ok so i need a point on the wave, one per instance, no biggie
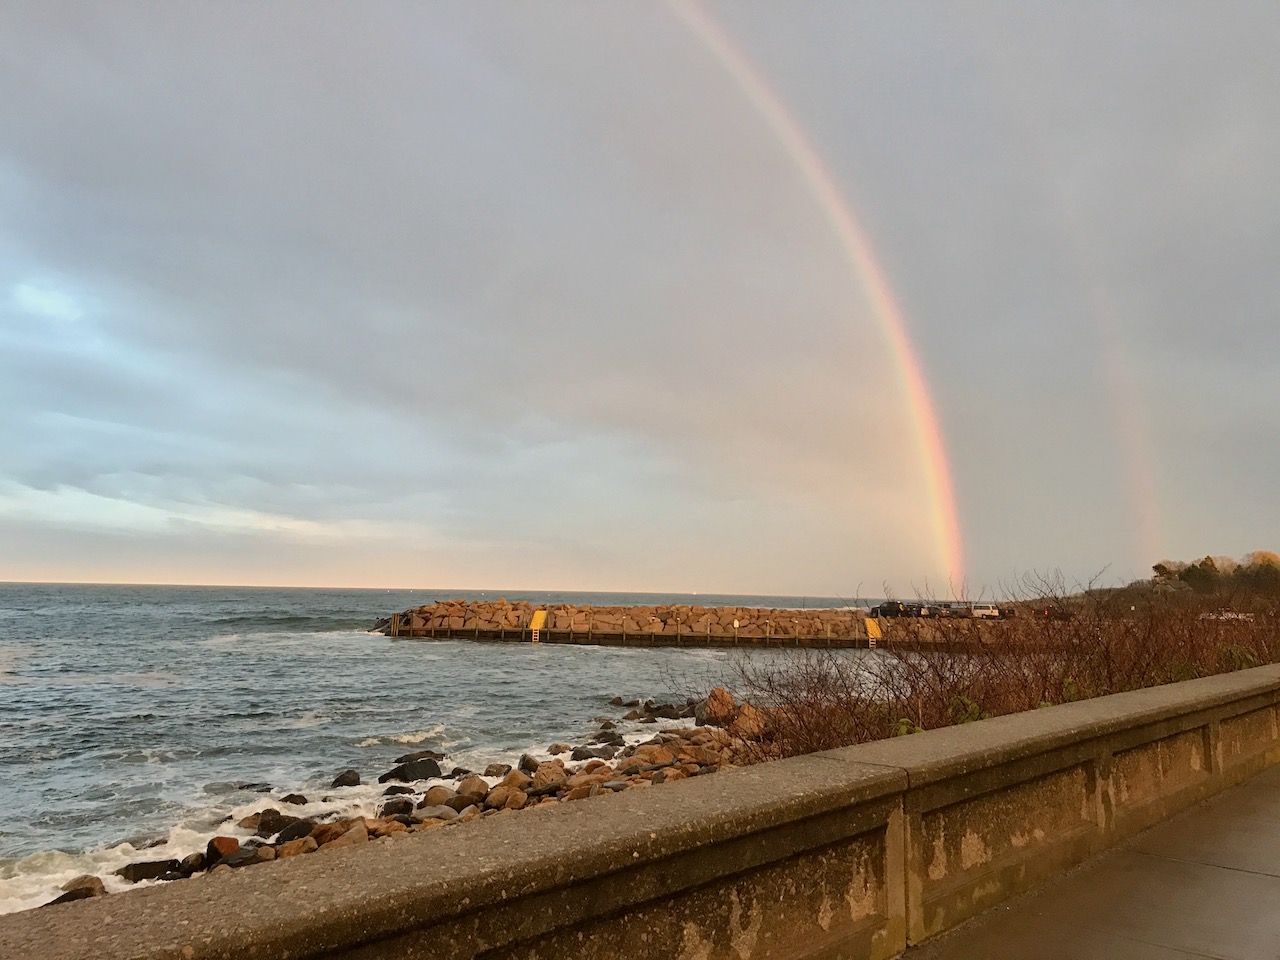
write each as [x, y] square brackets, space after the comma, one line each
[298, 623]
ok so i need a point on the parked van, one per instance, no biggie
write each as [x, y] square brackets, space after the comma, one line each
[985, 610]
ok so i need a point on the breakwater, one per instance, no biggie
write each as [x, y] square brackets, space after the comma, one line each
[657, 625]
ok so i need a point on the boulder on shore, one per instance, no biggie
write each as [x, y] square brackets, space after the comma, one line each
[347, 778]
[425, 769]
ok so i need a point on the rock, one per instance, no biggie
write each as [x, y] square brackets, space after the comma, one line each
[437, 795]
[608, 724]
[147, 870]
[558, 748]
[272, 821]
[593, 753]
[528, 763]
[93, 886]
[325, 832]
[347, 778]
[616, 701]
[413, 770]
[666, 711]
[296, 799]
[750, 723]
[241, 858]
[719, 709]
[460, 801]
[421, 755]
[632, 715]
[615, 785]
[549, 774]
[497, 797]
[437, 812]
[516, 800]
[397, 788]
[518, 779]
[295, 831]
[497, 770]
[72, 895]
[395, 806]
[297, 847]
[653, 754]
[250, 822]
[357, 834]
[220, 847]
[459, 772]
[473, 786]
[191, 863]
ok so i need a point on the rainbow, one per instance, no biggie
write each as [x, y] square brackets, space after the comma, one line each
[853, 240]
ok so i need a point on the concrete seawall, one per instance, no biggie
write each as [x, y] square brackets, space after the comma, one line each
[849, 853]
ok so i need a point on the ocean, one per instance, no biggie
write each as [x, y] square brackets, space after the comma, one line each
[134, 720]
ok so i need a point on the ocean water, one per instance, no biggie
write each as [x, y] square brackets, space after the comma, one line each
[135, 720]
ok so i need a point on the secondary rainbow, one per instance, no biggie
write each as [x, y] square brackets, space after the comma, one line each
[853, 240]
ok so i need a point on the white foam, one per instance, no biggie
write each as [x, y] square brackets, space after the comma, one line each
[419, 735]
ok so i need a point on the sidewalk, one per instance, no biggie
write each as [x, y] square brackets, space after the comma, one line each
[1204, 884]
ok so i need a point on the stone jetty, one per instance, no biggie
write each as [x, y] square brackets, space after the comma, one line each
[674, 625]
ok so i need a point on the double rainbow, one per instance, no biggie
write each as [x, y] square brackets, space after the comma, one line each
[857, 248]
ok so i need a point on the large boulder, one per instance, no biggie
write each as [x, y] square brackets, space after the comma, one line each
[426, 769]
[347, 778]
[719, 709]
[147, 870]
[549, 774]
[421, 755]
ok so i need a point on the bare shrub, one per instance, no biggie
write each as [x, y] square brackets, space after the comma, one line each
[1056, 647]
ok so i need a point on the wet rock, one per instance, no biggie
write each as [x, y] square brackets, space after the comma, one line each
[421, 755]
[296, 830]
[272, 821]
[241, 858]
[665, 711]
[192, 863]
[457, 773]
[69, 896]
[296, 799]
[593, 753]
[413, 770]
[558, 748]
[497, 770]
[347, 778]
[528, 763]
[220, 847]
[607, 725]
[93, 886]
[397, 788]
[616, 701]
[147, 870]
[396, 805]
[632, 715]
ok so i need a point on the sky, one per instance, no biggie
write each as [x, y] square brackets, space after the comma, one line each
[716, 297]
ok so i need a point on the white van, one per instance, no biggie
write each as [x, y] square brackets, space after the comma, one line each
[985, 610]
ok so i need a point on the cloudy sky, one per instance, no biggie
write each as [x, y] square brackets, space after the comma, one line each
[485, 294]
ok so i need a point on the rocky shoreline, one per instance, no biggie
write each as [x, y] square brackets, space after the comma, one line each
[421, 796]
[503, 619]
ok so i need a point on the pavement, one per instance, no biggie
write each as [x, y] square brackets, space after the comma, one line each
[1205, 883]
